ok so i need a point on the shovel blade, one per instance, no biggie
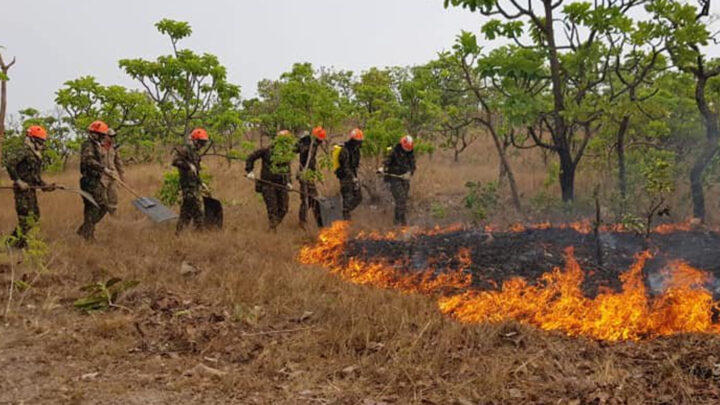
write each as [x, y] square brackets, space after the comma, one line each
[330, 209]
[154, 210]
[213, 213]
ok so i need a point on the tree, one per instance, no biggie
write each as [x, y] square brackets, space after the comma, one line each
[184, 85]
[4, 78]
[568, 37]
[131, 113]
[298, 101]
[686, 36]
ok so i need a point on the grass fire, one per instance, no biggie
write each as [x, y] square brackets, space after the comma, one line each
[555, 300]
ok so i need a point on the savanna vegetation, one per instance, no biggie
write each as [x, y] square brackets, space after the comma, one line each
[548, 111]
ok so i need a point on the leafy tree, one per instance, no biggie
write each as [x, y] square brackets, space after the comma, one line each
[298, 101]
[184, 85]
[686, 37]
[568, 39]
[131, 113]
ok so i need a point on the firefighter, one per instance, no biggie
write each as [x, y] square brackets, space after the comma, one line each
[93, 170]
[112, 161]
[398, 168]
[24, 166]
[347, 172]
[307, 149]
[274, 183]
[187, 160]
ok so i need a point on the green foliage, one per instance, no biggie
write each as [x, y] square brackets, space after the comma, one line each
[481, 199]
[438, 210]
[184, 86]
[282, 153]
[102, 296]
[658, 170]
[36, 251]
[169, 193]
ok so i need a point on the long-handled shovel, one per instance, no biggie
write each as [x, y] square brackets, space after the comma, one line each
[330, 207]
[60, 187]
[149, 206]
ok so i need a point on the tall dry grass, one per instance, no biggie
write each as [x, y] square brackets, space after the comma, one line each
[272, 331]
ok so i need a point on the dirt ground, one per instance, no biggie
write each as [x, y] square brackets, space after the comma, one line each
[249, 325]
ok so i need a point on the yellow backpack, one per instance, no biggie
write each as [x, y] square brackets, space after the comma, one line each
[336, 157]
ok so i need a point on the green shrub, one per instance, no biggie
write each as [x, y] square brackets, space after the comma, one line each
[481, 199]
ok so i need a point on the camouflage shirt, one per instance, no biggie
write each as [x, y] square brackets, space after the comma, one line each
[185, 158]
[25, 164]
[91, 160]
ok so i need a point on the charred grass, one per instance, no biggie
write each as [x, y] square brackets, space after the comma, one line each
[253, 326]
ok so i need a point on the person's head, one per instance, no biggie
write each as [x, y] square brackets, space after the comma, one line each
[407, 143]
[319, 133]
[282, 134]
[199, 138]
[98, 130]
[356, 136]
[37, 135]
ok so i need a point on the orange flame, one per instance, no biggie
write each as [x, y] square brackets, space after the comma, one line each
[556, 302]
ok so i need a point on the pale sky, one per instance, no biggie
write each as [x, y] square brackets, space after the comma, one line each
[59, 40]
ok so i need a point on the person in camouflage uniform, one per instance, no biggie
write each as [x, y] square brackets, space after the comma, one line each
[93, 170]
[187, 160]
[307, 150]
[398, 168]
[273, 184]
[347, 173]
[111, 160]
[24, 166]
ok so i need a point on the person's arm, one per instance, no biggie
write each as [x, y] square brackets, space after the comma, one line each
[12, 163]
[88, 158]
[344, 170]
[180, 160]
[250, 161]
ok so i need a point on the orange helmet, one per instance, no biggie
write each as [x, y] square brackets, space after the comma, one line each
[199, 134]
[407, 142]
[99, 127]
[319, 133]
[357, 134]
[36, 131]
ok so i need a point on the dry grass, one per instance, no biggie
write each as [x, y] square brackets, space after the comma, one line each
[273, 331]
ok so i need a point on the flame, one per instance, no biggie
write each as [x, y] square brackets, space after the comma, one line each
[555, 302]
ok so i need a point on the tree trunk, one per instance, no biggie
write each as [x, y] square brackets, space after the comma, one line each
[712, 135]
[622, 171]
[508, 170]
[3, 100]
[567, 176]
[560, 130]
[456, 158]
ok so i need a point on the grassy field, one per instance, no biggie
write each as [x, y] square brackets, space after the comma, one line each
[254, 326]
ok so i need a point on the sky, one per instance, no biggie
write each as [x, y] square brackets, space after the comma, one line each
[59, 40]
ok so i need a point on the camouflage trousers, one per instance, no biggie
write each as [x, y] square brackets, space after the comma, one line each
[307, 202]
[92, 214]
[191, 210]
[276, 202]
[112, 197]
[351, 196]
[28, 212]
[400, 189]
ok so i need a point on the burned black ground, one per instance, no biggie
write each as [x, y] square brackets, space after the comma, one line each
[499, 256]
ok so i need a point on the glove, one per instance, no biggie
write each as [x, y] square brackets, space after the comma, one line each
[250, 175]
[21, 185]
[204, 190]
[406, 176]
[193, 168]
[356, 180]
[380, 170]
[289, 186]
[49, 187]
